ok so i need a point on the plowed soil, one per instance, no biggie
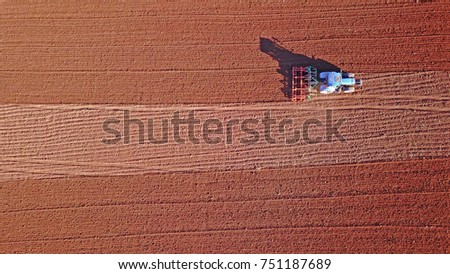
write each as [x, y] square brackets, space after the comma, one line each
[381, 207]
[205, 51]
[67, 67]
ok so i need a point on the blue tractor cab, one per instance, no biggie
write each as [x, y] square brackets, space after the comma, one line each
[332, 81]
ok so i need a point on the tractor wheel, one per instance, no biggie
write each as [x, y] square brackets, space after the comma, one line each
[349, 75]
[349, 89]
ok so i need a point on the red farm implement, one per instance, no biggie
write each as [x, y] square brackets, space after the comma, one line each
[304, 82]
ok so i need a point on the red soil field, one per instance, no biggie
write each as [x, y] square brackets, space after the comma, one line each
[205, 51]
[67, 67]
[379, 207]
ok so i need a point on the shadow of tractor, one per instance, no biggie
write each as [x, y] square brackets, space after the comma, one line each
[287, 59]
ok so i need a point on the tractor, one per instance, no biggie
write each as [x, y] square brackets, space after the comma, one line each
[307, 82]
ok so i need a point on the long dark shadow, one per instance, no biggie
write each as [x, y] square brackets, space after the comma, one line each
[286, 59]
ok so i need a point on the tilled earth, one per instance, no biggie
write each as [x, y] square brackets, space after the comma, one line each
[67, 67]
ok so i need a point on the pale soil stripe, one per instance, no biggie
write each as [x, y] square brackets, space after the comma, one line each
[45, 141]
